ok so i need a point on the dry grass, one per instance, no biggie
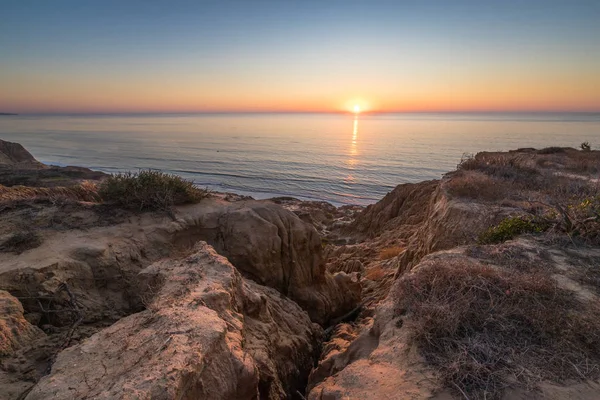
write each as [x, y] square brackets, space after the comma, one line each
[477, 185]
[561, 158]
[586, 162]
[483, 328]
[513, 256]
[86, 191]
[509, 167]
[390, 252]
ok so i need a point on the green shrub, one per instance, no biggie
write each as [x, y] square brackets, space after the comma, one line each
[511, 227]
[149, 190]
[580, 218]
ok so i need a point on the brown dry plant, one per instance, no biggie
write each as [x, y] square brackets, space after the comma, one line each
[484, 329]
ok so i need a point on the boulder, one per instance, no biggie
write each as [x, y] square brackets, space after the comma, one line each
[404, 206]
[207, 333]
[273, 247]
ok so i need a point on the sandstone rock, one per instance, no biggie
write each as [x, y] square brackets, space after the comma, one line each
[14, 153]
[207, 333]
[352, 265]
[265, 242]
[19, 167]
[404, 206]
[15, 330]
[275, 248]
[376, 363]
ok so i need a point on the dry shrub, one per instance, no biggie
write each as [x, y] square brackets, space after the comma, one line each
[552, 150]
[576, 161]
[20, 241]
[585, 146]
[482, 328]
[477, 185]
[86, 191]
[584, 162]
[580, 218]
[506, 167]
[149, 190]
[390, 252]
[512, 256]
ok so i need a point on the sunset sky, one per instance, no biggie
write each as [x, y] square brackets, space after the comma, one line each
[258, 55]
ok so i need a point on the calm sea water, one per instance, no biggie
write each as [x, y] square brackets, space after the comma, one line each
[337, 158]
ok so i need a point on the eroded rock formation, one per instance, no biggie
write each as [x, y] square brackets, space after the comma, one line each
[207, 333]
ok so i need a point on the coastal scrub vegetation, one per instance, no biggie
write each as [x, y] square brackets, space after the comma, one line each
[143, 190]
[485, 328]
[577, 218]
[511, 227]
[149, 190]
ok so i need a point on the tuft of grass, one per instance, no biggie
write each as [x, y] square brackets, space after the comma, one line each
[482, 328]
[20, 241]
[149, 190]
[86, 191]
[511, 227]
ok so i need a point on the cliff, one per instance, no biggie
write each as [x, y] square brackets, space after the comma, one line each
[19, 167]
[492, 290]
[480, 285]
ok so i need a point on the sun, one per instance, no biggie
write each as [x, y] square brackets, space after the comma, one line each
[356, 109]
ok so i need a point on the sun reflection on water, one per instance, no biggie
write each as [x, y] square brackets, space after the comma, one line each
[353, 152]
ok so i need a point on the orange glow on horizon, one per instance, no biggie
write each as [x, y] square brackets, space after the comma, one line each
[65, 95]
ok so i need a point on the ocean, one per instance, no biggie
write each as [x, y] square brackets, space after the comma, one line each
[342, 159]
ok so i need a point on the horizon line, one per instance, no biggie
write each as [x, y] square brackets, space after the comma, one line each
[65, 113]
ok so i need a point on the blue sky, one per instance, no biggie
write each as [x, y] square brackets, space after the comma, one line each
[305, 55]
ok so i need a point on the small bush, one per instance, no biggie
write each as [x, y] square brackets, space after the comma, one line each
[483, 328]
[580, 218]
[511, 227]
[149, 190]
[585, 146]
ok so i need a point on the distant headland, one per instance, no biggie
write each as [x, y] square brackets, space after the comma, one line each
[1, 114]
